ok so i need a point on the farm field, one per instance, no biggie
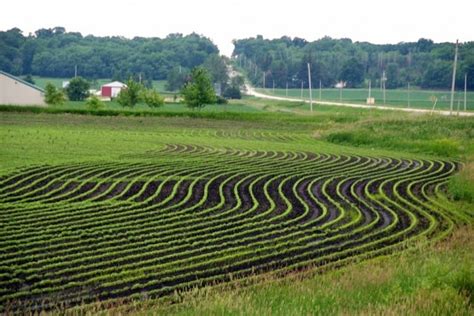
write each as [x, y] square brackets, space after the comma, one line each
[116, 208]
[398, 97]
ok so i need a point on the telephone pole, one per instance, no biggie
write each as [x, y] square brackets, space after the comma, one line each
[465, 92]
[370, 89]
[310, 88]
[453, 83]
[264, 80]
[75, 71]
[383, 87]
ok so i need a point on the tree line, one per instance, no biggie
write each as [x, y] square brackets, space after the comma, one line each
[55, 53]
[283, 62]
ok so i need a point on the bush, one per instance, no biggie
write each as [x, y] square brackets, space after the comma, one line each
[152, 98]
[221, 100]
[232, 93]
[130, 95]
[53, 96]
[93, 103]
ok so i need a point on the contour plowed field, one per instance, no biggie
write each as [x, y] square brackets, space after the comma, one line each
[188, 216]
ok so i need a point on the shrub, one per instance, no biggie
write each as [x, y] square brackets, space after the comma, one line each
[152, 98]
[52, 95]
[93, 103]
[221, 100]
[130, 95]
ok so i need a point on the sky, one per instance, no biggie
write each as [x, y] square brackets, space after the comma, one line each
[222, 21]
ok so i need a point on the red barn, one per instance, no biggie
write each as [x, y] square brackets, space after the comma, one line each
[111, 90]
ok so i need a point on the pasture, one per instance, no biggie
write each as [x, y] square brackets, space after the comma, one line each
[127, 209]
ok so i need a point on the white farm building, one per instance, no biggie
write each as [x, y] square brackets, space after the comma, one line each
[111, 90]
[15, 91]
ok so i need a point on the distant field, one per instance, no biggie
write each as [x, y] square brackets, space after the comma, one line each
[399, 97]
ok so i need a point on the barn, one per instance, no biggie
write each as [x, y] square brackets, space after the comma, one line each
[111, 90]
[15, 91]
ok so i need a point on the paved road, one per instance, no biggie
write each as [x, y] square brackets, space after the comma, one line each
[251, 91]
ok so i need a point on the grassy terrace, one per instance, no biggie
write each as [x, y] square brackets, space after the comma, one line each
[137, 207]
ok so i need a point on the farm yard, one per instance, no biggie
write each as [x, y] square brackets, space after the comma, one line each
[122, 209]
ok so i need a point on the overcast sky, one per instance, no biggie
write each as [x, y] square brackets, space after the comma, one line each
[222, 21]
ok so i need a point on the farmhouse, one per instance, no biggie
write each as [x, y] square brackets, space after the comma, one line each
[16, 91]
[111, 90]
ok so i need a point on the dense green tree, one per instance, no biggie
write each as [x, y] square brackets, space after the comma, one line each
[393, 76]
[437, 75]
[131, 95]
[233, 89]
[352, 73]
[198, 91]
[52, 95]
[232, 92]
[217, 69]
[54, 52]
[284, 61]
[77, 89]
[176, 79]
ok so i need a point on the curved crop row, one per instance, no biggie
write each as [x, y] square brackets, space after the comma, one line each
[188, 215]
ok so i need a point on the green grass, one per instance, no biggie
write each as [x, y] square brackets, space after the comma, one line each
[215, 146]
[399, 97]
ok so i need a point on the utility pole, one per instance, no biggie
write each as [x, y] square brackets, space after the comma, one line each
[370, 89]
[465, 92]
[273, 90]
[263, 80]
[383, 87]
[310, 88]
[320, 90]
[408, 95]
[453, 83]
[75, 71]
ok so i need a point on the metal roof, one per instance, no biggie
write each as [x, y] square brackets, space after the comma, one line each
[115, 84]
[21, 81]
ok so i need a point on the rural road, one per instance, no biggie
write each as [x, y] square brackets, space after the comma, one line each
[251, 91]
